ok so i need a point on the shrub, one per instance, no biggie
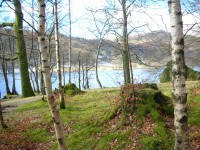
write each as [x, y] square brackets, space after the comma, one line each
[70, 92]
[71, 89]
[189, 73]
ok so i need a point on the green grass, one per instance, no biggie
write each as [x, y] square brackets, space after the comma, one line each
[85, 113]
[166, 88]
[87, 117]
[33, 106]
[120, 139]
[39, 135]
[194, 110]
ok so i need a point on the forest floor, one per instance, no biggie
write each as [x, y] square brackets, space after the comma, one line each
[93, 120]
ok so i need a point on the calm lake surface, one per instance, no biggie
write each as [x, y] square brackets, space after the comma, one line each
[108, 78]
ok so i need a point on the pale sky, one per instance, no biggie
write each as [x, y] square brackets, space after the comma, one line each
[156, 16]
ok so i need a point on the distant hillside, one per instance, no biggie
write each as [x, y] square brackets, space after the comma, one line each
[150, 48]
[155, 47]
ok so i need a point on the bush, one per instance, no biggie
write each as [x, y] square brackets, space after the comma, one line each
[189, 73]
[71, 89]
[70, 92]
[150, 85]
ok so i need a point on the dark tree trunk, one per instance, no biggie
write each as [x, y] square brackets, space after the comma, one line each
[14, 92]
[1, 116]
[96, 64]
[79, 70]
[36, 77]
[21, 48]
[5, 77]
[12, 47]
[86, 76]
[83, 77]
[125, 51]
[63, 68]
[58, 63]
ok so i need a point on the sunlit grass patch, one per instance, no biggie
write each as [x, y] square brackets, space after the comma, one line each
[36, 105]
[194, 110]
[36, 135]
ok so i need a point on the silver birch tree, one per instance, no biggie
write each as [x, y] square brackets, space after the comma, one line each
[178, 77]
[59, 78]
[70, 42]
[47, 77]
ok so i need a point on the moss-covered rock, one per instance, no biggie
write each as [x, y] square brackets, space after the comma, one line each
[150, 85]
[145, 100]
[71, 89]
[190, 74]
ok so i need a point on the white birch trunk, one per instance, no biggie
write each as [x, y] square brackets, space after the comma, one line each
[179, 94]
[62, 100]
[47, 78]
[70, 42]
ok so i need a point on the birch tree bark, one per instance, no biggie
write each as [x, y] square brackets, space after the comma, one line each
[179, 94]
[59, 79]
[70, 42]
[47, 78]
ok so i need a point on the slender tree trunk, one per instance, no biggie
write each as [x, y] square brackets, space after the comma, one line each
[5, 77]
[79, 70]
[131, 68]
[178, 77]
[37, 77]
[47, 77]
[1, 117]
[21, 48]
[42, 87]
[70, 42]
[63, 68]
[83, 77]
[96, 64]
[35, 74]
[32, 80]
[50, 50]
[14, 92]
[59, 77]
[86, 76]
[125, 51]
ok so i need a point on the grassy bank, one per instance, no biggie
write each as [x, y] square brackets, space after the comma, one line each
[93, 120]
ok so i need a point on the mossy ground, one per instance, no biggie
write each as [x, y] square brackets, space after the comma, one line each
[94, 120]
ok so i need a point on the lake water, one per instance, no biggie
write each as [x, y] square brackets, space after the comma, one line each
[108, 78]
